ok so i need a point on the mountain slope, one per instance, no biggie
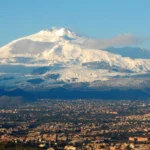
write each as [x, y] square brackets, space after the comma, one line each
[132, 52]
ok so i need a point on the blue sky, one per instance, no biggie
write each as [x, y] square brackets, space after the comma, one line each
[92, 18]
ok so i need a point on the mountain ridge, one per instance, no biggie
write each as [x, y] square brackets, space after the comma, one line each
[132, 52]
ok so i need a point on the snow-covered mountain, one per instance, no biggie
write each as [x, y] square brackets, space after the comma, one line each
[53, 46]
[58, 56]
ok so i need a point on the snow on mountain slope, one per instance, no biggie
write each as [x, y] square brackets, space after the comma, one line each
[63, 47]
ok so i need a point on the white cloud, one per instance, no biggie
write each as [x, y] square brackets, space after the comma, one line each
[119, 40]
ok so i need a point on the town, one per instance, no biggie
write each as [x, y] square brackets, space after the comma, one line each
[76, 124]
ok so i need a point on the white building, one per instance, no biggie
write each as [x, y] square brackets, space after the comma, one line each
[68, 147]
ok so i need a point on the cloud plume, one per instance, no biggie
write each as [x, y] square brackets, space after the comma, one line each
[119, 40]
